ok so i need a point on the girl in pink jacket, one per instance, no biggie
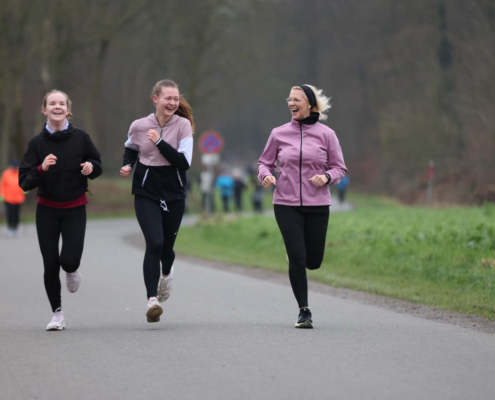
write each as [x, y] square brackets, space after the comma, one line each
[310, 158]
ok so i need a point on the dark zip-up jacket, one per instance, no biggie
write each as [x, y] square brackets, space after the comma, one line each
[63, 181]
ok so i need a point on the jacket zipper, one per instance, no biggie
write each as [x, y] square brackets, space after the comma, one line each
[300, 165]
[145, 176]
[178, 176]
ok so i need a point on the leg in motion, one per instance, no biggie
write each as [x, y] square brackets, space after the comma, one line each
[48, 228]
[291, 223]
[171, 223]
[315, 234]
[73, 229]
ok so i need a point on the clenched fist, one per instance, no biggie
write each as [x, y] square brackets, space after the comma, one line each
[48, 161]
[269, 181]
[153, 135]
[125, 171]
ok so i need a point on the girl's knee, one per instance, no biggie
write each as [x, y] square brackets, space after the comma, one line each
[69, 264]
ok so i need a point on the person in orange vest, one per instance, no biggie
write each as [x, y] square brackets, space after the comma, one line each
[13, 196]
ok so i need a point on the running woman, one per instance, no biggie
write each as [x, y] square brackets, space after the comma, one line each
[310, 158]
[165, 143]
[59, 162]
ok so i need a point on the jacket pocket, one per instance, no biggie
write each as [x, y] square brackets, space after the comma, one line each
[178, 176]
[145, 176]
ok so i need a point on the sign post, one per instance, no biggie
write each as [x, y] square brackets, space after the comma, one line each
[429, 187]
[210, 145]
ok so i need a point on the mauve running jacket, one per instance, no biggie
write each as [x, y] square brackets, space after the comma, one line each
[302, 151]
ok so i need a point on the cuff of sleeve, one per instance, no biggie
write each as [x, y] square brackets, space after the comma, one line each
[159, 140]
[40, 170]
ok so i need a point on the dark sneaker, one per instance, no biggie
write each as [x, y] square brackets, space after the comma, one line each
[304, 321]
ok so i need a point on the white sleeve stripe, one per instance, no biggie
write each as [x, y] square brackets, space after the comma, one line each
[131, 145]
[186, 148]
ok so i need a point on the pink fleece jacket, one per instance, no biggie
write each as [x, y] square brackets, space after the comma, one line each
[177, 132]
[302, 151]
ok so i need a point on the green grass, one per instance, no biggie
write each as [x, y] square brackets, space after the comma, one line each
[441, 257]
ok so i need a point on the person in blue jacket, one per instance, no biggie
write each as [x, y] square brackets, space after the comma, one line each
[225, 183]
[342, 188]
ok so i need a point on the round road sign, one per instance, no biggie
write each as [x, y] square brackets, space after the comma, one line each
[210, 142]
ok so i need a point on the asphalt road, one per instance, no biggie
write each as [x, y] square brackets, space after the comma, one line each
[222, 336]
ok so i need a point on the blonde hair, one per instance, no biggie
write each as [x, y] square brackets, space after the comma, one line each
[322, 101]
[67, 100]
[185, 109]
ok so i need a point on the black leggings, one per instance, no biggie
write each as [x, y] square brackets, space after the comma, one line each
[13, 212]
[304, 234]
[160, 223]
[51, 223]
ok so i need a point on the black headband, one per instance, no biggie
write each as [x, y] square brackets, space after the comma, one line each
[309, 94]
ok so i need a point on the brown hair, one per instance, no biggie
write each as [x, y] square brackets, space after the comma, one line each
[185, 109]
[67, 100]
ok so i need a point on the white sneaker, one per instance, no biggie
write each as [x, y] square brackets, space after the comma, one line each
[11, 234]
[165, 286]
[58, 321]
[73, 281]
[154, 310]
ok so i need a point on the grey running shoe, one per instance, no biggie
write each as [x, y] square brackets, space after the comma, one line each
[73, 281]
[165, 287]
[58, 321]
[304, 321]
[153, 310]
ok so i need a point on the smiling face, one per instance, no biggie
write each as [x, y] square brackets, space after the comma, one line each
[298, 104]
[56, 109]
[167, 102]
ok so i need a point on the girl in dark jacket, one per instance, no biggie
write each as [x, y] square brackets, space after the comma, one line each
[59, 162]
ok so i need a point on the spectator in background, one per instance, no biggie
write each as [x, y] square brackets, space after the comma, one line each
[206, 179]
[258, 198]
[342, 187]
[225, 183]
[239, 187]
[13, 196]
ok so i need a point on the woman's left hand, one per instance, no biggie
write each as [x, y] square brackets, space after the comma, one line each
[153, 135]
[87, 168]
[319, 180]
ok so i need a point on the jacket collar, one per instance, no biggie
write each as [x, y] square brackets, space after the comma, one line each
[311, 120]
[152, 118]
[59, 135]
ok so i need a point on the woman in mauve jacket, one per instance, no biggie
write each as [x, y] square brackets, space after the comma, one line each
[310, 158]
[59, 162]
[164, 143]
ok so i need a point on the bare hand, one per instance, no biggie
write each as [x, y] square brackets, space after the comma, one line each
[48, 161]
[87, 168]
[125, 171]
[153, 135]
[319, 180]
[269, 181]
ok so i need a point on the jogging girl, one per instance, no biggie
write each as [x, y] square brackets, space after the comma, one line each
[310, 158]
[164, 141]
[59, 162]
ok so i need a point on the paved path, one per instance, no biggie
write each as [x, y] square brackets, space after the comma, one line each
[222, 336]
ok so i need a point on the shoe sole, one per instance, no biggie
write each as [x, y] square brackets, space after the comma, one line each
[56, 329]
[154, 313]
[304, 325]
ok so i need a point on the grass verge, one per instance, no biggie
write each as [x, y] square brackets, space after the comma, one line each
[443, 258]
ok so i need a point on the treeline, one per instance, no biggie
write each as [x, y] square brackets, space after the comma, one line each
[410, 81]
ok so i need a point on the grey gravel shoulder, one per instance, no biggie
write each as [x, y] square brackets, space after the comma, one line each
[468, 321]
